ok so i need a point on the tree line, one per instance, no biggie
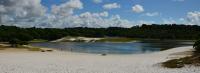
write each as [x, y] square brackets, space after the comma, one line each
[154, 31]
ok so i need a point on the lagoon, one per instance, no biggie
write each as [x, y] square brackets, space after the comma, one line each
[135, 47]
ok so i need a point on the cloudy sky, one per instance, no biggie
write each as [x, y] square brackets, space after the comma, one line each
[97, 13]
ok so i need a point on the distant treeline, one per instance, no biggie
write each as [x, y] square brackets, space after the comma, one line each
[168, 31]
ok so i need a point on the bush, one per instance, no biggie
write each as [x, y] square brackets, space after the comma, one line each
[175, 63]
[35, 49]
[197, 46]
[15, 42]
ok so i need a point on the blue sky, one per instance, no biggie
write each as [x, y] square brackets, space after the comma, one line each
[98, 13]
[167, 9]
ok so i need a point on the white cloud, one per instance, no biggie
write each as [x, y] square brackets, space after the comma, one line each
[193, 18]
[67, 8]
[152, 14]
[97, 1]
[169, 21]
[20, 10]
[111, 6]
[88, 14]
[30, 13]
[140, 22]
[181, 19]
[138, 8]
[95, 20]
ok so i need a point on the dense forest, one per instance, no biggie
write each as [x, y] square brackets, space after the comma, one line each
[154, 31]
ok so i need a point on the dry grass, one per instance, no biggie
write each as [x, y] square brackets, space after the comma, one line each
[179, 63]
[34, 49]
[3, 47]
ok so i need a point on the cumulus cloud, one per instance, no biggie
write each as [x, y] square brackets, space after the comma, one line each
[111, 6]
[88, 14]
[87, 19]
[31, 13]
[169, 21]
[193, 18]
[152, 14]
[138, 8]
[20, 10]
[97, 1]
[67, 8]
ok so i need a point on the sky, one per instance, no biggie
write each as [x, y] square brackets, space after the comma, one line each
[98, 13]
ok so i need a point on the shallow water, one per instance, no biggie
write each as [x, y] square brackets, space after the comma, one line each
[135, 47]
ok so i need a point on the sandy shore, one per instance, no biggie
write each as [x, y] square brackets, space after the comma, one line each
[67, 62]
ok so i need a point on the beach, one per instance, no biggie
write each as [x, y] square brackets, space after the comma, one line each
[69, 62]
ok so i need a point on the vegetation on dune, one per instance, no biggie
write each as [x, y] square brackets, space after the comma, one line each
[190, 60]
[116, 40]
[34, 49]
[38, 40]
[197, 47]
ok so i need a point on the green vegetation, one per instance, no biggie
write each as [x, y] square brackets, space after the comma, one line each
[179, 63]
[38, 40]
[197, 47]
[116, 40]
[17, 43]
[168, 31]
[190, 60]
[175, 63]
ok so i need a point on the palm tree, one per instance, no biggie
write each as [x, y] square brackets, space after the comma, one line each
[196, 46]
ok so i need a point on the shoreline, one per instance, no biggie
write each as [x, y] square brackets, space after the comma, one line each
[70, 62]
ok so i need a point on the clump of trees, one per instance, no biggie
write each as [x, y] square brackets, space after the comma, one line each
[16, 42]
[154, 31]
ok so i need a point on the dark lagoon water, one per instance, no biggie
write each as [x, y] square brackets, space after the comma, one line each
[144, 46]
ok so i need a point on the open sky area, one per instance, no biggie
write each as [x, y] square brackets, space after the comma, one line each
[98, 13]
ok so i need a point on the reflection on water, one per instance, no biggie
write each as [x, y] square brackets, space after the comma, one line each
[143, 46]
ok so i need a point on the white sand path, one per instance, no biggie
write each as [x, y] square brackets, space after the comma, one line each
[66, 62]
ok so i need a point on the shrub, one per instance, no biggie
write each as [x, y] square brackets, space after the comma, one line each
[196, 46]
[35, 49]
[175, 63]
[14, 42]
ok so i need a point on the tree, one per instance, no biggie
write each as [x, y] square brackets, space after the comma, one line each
[197, 46]
[14, 42]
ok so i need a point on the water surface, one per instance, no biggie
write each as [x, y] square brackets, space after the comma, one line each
[144, 46]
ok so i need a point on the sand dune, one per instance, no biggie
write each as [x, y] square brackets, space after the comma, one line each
[67, 62]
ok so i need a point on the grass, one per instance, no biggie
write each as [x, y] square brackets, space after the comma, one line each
[175, 63]
[3, 47]
[116, 40]
[28, 48]
[179, 63]
[38, 40]
[34, 49]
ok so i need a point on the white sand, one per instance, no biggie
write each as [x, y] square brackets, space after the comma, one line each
[85, 39]
[66, 62]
